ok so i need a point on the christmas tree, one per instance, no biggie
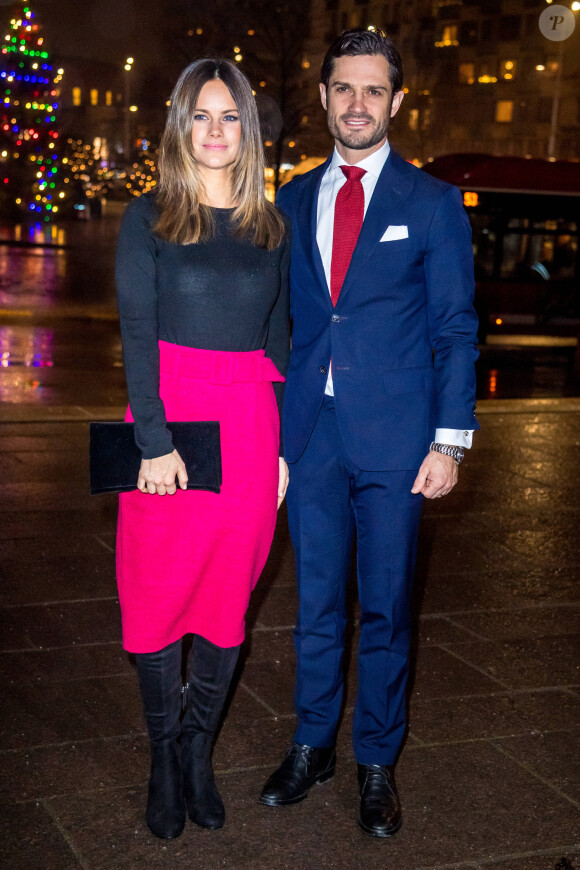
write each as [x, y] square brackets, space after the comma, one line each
[31, 176]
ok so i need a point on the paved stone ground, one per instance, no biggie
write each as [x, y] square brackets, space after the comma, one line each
[489, 776]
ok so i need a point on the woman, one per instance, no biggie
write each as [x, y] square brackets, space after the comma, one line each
[202, 283]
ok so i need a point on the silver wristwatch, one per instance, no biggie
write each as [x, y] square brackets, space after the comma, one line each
[456, 453]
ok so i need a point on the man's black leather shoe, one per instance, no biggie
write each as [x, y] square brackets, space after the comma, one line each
[302, 767]
[380, 809]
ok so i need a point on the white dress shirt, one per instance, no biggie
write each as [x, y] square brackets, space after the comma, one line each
[332, 181]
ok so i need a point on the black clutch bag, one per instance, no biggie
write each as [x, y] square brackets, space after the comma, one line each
[115, 458]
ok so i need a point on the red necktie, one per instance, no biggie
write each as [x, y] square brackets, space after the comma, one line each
[348, 219]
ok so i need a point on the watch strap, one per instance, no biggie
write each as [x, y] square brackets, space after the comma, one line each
[456, 453]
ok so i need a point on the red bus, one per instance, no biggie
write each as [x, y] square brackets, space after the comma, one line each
[525, 216]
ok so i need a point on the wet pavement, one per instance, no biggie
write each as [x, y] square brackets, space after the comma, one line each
[59, 335]
[489, 775]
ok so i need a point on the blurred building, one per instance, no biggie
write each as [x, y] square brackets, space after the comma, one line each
[479, 76]
[98, 103]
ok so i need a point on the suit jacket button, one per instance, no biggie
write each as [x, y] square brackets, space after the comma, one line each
[335, 318]
[323, 370]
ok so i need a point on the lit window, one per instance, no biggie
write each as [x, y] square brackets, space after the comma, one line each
[487, 73]
[508, 69]
[108, 98]
[94, 97]
[76, 95]
[504, 110]
[466, 73]
[413, 119]
[449, 36]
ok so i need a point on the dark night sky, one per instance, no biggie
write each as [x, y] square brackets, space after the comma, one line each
[108, 30]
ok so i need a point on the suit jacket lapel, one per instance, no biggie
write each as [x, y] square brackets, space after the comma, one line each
[392, 188]
[308, 213]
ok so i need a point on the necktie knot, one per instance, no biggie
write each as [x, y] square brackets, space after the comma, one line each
[353, 173]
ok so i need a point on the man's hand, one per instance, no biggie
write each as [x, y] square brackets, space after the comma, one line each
[157, 476]
[282, 481]
[437, 475]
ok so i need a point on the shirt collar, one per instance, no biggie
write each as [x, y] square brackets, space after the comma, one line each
[373, 163]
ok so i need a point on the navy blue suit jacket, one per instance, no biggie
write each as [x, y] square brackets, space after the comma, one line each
[403, 335]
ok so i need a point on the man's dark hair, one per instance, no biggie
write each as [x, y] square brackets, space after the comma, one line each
[359, 41]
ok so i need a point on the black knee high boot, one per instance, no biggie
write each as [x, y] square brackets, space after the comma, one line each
[210, 670]
[160, 683]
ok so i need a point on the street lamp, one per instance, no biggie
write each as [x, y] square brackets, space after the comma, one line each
[126, 109]
[557, 23]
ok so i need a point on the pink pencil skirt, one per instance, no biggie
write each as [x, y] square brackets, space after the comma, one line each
[188, 562]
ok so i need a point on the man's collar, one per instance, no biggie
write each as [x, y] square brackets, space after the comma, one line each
[373, 163]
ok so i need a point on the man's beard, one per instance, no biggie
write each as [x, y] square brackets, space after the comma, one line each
[357, 139]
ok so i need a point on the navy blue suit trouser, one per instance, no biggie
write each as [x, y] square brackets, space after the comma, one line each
[328, 496]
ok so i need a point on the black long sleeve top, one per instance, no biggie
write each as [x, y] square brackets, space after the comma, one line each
[224, 294]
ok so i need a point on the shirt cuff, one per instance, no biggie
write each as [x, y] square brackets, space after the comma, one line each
[455, 437]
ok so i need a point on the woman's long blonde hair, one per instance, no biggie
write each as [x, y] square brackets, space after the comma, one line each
[182, 217]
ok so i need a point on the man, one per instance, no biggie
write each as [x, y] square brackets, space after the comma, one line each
[378, 407]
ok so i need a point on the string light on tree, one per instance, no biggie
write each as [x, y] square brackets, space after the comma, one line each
[142, 175]
[31, 172]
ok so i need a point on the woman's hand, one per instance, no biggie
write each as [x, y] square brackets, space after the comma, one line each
[157, 476]
[282, 481]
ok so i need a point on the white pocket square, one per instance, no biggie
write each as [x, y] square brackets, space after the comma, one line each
[392, 233]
